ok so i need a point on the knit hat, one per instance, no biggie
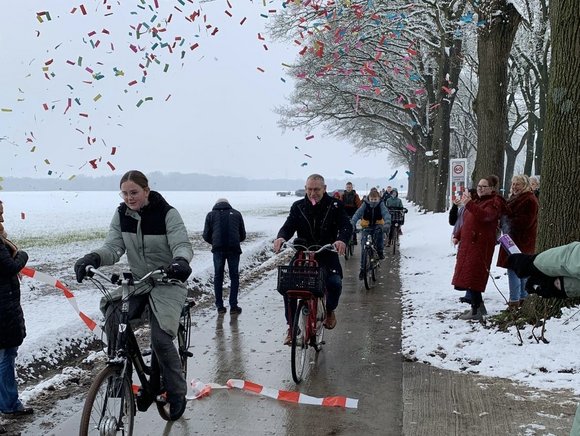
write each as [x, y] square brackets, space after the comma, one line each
[222, 200]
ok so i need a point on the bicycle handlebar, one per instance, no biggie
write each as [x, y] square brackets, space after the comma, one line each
[297, 247]
[127, 277]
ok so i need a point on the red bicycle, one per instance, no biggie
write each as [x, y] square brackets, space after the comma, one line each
[304, 280]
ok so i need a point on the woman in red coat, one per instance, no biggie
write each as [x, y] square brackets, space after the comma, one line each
[477, 241]
[522, 226]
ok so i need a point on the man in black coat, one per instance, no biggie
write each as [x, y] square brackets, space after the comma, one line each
[224, 229]
[318, 219]
[12, 329]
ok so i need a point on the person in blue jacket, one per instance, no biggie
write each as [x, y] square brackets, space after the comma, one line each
[373, 215]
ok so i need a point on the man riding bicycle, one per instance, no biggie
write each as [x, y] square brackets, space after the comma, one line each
[351, 201]
[373, 214]
[318, 219]
[153, 235]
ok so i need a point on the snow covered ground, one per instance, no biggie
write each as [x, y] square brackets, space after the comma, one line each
[58, 227]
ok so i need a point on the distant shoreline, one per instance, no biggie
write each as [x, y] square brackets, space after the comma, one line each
[183, 182]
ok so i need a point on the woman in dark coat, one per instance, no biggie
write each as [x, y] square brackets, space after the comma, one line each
[522, 226]
[12, 330]
[477, 240]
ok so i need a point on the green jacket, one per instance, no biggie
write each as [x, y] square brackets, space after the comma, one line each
[563, 261]
[151, 238]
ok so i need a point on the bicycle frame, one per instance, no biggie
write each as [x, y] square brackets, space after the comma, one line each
[307, 319]
[114, 384]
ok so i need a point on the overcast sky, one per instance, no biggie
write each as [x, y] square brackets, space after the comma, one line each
[209, 112]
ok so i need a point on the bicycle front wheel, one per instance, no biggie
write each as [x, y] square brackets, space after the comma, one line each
[183, 342]
[395, 240]
[110, 405]
[367, 267]
[299, 352]
[320, 317]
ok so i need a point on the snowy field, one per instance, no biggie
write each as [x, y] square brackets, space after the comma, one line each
[58, 227]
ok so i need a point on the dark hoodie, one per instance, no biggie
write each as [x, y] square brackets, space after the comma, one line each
[224, 228]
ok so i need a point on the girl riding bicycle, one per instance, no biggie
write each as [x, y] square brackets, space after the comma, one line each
[373, 214]
[152, 234]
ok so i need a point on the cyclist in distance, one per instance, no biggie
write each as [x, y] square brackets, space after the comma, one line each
[318, 219]
[372, 214]
[351, 201]
[153, 235]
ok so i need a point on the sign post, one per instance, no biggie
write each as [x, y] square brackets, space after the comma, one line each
[458, 177]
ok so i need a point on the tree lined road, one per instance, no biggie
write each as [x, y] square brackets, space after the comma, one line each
[361, 360]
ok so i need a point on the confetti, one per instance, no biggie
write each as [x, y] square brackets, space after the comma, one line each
[308, 138]
[22, 216]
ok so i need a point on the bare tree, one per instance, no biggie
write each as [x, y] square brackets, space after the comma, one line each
[500, 21]
[559, 209]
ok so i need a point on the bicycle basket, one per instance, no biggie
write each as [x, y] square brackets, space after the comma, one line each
[397, 217]
[307, 278]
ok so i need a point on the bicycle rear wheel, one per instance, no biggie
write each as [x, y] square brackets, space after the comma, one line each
[110, 405]
[395, 241]
[299, 352]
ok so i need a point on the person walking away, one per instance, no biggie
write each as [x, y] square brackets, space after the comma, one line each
[224, 229]
[477, 240]
[522, 225]
[12, 327]
[319, 220]
[152, 234]
[352, 202]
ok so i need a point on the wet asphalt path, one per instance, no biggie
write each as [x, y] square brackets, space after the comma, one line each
[361, 360]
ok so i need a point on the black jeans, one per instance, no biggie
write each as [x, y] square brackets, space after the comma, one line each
[219, 263]
[333, 291]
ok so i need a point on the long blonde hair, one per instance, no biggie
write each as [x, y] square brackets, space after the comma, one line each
[525, 180]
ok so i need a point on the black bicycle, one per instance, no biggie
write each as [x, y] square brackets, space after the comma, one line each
[397, 220]
[112, 399]
[350, 246]
[370, 256]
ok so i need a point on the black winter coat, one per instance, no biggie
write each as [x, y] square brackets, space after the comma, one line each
[321, 224]
[12, 329]
[224, 229]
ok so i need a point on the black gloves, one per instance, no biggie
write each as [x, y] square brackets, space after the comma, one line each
[91, 259]
[538, 282]
[545, 286]
[179, 269]
[522, 264]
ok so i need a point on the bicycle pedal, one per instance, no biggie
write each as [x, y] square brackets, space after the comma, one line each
[187, 353]
[146, 352]
[161, 398]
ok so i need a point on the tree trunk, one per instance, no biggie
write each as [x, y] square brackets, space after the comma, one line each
[494, 44]
[449, 77]
[531, 135]
[559, 211]
[541, 131]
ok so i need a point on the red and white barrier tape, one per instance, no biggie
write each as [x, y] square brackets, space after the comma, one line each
[51, 281]
[293, 396]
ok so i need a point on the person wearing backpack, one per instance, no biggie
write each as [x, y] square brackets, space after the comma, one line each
[352, 202]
